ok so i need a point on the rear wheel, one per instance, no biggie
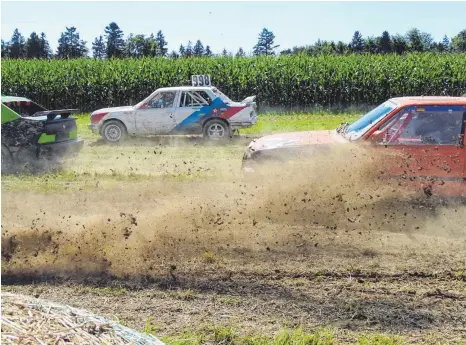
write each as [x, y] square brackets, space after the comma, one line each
[26, 160]
[114, 131]
[217, 130]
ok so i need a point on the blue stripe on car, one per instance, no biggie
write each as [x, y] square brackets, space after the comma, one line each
[201, 114]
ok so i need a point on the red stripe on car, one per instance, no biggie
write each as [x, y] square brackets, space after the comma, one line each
[231, 112]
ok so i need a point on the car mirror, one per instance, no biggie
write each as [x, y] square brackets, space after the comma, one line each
[379, 137]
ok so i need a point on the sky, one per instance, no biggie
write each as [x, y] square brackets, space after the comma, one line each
[232, 25]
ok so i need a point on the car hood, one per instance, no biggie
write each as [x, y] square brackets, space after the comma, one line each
[296, 140]
[114, 109]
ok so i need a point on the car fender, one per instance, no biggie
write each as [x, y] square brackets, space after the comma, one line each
[125, 117]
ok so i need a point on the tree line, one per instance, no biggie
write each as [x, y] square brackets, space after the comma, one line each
[113, 44]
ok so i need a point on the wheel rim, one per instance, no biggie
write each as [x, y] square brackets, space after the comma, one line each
[112, 133]
[216, 131]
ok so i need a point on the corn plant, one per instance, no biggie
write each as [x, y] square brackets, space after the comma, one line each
[285, 81]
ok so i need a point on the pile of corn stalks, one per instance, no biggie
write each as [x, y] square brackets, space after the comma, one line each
[28, 320]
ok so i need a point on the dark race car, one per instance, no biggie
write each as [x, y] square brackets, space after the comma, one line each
[33, 136]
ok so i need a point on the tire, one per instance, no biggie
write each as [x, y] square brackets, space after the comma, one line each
[216, 130]
[26, 160]
[8, 161]
[114, 131]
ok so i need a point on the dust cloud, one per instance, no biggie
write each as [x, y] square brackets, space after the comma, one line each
[142, 228]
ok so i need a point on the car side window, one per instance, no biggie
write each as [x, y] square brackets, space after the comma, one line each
[424, 125]
[25, 108]
[162, 100]
[195, 99]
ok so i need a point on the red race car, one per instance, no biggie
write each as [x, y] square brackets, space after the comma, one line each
[424, 137]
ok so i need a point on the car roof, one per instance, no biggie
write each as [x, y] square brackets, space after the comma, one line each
[6, 99]
[428, 100]
[185, 88]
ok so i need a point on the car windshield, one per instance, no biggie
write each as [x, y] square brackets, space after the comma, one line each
[366, 122]
[138, 105]
[221, 95]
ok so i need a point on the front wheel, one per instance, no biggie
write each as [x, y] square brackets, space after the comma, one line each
[217, 130]
[114, 131]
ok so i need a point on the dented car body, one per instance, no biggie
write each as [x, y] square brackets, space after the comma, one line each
[420, 140]
[33, 134]
[176, 110]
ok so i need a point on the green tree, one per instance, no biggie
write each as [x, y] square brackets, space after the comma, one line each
[419, 41]
[225, 52]
[162, 49]
[150, 47]
[357, 43]
[189, 49]
[174, 55]
[17, 46]
[427, 41]
[198, 49]
[283, 52]
[385, 43]
[70, 45]
[341, 48]
[5, 49]
[265, 43]
[98, 48]
[458, 43]
[207, 51]
[400, 44]
[371, 45]
[446, 44]
[135, 46]
[33, 47]
[45, 50]
[240, 52]
[182, 51]
[115, 41]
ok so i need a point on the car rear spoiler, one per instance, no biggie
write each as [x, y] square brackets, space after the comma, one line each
[52, 114]
[249, 99]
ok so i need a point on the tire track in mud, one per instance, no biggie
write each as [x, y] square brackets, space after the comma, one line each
[406, 304]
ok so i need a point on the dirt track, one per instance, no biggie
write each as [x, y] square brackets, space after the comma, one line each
[319, 245]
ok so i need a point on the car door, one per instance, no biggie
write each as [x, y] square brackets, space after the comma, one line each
[428, 142]
[193, 106]
[157, 115]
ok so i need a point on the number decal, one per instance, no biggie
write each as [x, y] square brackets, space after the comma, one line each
[200, 80]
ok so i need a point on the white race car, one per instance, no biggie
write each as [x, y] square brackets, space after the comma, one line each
[171, 110]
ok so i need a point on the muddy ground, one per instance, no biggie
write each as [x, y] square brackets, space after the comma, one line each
[315, 244]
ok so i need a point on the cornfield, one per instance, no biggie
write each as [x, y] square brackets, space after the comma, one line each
[285, 81]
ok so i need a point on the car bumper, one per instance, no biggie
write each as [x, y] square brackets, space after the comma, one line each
[60, 149]
[93, 128]
[244, 124]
